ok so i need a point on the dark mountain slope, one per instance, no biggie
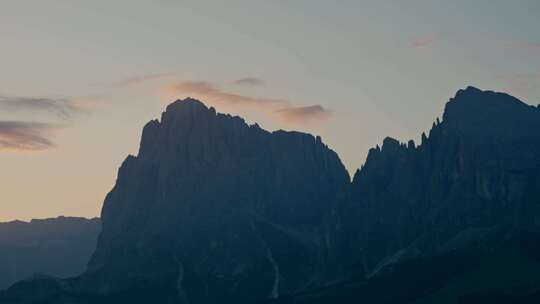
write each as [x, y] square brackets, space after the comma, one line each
[478, 169]
[58, 247]
[467, 197]
[213, 208]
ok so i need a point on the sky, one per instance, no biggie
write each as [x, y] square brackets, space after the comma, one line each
[79, 79]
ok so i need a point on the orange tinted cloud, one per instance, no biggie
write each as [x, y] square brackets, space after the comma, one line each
[426, 41]
[280, 109]
[304, 115]
[524, 45]
[208, 92]
[25, 136]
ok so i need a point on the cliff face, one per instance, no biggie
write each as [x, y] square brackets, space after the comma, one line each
[212, 207]
[59, 247]
[213, 210]
[478, 170]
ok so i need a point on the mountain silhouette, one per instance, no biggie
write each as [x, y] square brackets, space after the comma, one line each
[477, 169]
[210, 203]
[213, 210]
[57, 247]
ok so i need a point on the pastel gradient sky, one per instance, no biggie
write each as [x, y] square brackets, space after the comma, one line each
[79, 79]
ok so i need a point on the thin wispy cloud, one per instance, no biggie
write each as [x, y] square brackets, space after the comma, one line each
[26, 136]
[304, 115]
[524, 45]
[249, 81]
[280, 109]
[213, 94]
[59, 107]
[473, 40]
[138, 79]
[424, 42]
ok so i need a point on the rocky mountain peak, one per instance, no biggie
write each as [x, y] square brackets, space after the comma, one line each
[487, 113]
[391, 144]
[186, 103]
[187, 109]
[215, 200]
[477, 168]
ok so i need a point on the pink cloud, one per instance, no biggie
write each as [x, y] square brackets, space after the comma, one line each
[280, 109]
[303, 115]
[60, 107]
[212, 94]
[525, 45]
[26, 136]
[426, 41]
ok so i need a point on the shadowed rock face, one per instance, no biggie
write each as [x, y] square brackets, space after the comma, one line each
[59, 247]
[212, 210]
[479, 169]
[212, 207]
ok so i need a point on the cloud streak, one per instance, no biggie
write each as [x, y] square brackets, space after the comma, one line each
[249, 81]
[26, 136]
[280, 109]
[138, 80]
[304, 115]
[60, 107]
[425, 42]
[211, 93]
[524, 45]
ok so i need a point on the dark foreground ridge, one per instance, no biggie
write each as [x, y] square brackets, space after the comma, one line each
[213, 210]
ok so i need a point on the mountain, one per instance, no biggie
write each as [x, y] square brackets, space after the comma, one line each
[59, 247]
[213, 210]
[478, 169]
[454, 219]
